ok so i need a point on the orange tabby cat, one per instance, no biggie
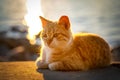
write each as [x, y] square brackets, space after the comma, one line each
[61, 50]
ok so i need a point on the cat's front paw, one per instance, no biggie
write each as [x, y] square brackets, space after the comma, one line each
[41, 64]
[38, 63]
[54, 66]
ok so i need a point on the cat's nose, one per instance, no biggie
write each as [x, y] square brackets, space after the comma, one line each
[49, 41]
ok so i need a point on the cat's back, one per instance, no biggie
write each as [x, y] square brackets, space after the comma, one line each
[94, 49]
[89, 39]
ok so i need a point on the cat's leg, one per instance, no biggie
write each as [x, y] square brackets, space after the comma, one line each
[41, 61]
[66, 66]
[41, 64]
[55, 66]
[59, 66]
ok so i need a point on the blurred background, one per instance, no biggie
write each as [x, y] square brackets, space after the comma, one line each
[20, 24]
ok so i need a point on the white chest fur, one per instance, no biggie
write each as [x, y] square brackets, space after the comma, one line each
[48, 52]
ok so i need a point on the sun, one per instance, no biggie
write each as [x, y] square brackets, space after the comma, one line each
[32, 18]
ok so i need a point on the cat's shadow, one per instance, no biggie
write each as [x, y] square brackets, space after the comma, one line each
[108, 73]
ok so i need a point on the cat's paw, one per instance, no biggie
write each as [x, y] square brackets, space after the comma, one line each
[41, 64]
[54, 66]
[38, 63]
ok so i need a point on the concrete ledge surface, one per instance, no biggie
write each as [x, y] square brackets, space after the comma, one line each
[27, 71]
[19, 71]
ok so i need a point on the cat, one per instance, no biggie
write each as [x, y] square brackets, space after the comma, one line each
[63, 50]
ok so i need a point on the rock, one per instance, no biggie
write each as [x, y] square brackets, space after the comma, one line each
[3, 52]
[16, 28]
[116, 53]
[15, 46]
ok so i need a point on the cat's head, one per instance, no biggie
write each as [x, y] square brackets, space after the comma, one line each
[56, 34]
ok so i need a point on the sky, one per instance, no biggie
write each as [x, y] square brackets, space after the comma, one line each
[97, 16]
[11, 10]
[11, 13]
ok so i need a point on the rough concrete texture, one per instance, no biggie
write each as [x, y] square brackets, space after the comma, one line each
[28, 71]
[19, 71]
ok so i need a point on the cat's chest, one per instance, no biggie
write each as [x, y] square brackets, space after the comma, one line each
[52, 55]
[48, 54]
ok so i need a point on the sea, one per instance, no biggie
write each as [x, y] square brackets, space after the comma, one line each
[101, 17]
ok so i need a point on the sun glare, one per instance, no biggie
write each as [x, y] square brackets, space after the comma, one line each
[32, 18]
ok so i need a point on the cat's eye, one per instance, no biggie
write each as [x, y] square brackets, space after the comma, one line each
[44, 35]
[56, 35]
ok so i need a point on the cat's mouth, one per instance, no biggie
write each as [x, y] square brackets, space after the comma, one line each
[49, 44]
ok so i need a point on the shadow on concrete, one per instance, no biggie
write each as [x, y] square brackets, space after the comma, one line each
[109, 73]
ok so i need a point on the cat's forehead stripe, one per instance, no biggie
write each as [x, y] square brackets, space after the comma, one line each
[53, 28]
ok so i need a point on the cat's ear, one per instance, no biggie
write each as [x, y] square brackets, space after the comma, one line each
[64, 20]
[44, 21]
